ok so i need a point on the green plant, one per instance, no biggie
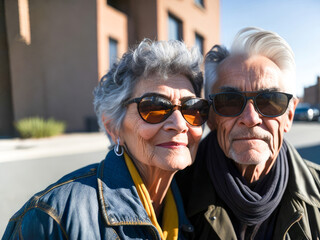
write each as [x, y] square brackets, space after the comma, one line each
[36, 127]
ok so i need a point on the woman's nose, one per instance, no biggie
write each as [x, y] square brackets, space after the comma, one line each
[176, 122]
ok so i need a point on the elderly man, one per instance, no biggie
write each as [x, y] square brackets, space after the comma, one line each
[248, 182]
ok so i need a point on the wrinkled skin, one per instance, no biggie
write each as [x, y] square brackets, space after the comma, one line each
[251, 140]
[159, 150]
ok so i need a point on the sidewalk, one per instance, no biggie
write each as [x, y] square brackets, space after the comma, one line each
[23, 149]
[73, 143]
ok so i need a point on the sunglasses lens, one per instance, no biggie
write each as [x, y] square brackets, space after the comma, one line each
[154, 109]
[195, 111]
[228, 104]
[272, 103]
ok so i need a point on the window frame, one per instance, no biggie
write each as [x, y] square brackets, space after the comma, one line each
[179, 27]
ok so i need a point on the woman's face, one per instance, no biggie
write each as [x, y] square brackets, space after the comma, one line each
[170, 145]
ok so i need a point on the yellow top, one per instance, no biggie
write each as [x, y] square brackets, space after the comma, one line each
[170, 221]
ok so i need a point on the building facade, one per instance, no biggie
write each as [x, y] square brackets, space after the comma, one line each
[312, 94]
[55, 51]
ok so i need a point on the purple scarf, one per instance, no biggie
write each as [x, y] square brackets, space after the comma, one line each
[251, 205]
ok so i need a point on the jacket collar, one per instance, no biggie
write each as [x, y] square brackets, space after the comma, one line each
[118, 196]
[303, 185]
[119, 199]
[303, 181]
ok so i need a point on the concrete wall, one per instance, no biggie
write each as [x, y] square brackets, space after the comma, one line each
[55, 74]
[110, 23]
[149, 19]
[55, 51]
[204, 21]
[143, 19]
[6, 115]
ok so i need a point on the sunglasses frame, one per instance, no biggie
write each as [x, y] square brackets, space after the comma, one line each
[246, 98]
[173, 108]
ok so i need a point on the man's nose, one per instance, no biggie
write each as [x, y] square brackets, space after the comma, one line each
[250, 117]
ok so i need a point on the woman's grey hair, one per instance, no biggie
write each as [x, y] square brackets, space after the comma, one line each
[253, 41]
[150, 58]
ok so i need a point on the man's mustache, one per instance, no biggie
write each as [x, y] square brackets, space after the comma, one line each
[250, 133]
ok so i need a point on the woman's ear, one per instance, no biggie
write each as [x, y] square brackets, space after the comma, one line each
[106, 123]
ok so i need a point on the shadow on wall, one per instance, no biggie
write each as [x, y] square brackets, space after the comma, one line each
[311, 153]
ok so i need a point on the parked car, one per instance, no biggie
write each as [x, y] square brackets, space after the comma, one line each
[306, 112]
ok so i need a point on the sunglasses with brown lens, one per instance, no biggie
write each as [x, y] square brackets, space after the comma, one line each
[156, 109]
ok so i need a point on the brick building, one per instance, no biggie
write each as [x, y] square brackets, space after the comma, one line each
[54, 52]
[312, 94]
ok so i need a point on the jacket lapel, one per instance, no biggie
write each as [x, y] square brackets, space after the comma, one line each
[219, 220]
[302, 181]
[302, 189]
[119, 200]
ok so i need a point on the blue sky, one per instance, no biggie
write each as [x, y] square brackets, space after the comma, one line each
[296, 21]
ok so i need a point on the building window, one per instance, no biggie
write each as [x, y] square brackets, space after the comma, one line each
[113, 51]
[199, 3]
[199, 42]
[175, 28]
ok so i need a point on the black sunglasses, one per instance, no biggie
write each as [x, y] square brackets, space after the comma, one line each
[155, 109]
[268, 104]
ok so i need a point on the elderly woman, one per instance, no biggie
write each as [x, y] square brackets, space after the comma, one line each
[149, 105]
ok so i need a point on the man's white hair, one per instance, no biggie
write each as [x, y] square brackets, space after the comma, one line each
[252, 41]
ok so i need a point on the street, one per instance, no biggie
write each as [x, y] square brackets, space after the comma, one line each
[19, 180]
[306, 138]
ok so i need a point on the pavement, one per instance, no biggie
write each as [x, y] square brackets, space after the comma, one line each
[16, 149]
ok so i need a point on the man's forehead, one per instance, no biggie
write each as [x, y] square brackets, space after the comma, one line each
[227, 88]
[248, 74]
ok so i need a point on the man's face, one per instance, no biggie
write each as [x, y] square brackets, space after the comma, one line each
[250, 138]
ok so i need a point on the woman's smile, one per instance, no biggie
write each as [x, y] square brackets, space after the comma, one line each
[172, 145]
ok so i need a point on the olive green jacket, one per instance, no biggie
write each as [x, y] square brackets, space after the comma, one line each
[298, 213]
